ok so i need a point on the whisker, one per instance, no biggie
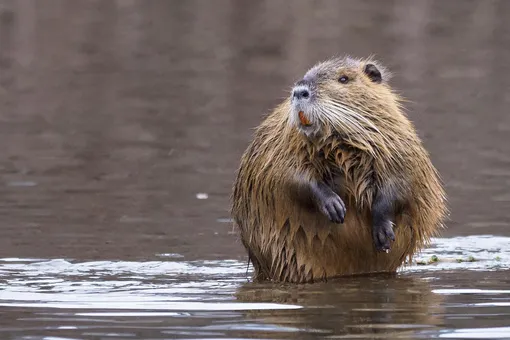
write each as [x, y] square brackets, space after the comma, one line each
[346, 117]
[354, 122]
[346, 123]
[356, 115]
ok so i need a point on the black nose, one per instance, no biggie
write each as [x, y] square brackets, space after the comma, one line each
[301, 93]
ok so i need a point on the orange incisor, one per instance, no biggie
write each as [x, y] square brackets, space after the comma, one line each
[303, 119]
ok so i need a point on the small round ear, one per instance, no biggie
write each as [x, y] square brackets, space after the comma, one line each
[373, 73]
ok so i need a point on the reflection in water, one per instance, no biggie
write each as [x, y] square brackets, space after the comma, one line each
[352, 306]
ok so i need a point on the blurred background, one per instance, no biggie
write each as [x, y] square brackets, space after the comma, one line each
[122, 122]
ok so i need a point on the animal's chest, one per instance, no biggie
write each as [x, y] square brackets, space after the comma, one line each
[349, 171]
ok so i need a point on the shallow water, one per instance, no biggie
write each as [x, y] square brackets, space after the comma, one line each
[122, 123]
[174, 299]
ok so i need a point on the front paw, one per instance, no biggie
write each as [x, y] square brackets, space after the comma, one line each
[383, 235]
[334, 208]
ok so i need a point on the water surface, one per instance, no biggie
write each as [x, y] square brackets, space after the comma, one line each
[122, 123]
[174, 299]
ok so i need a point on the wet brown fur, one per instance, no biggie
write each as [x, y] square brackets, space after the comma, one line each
[289, 242]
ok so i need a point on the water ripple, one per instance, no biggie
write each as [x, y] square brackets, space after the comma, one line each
[212, 299]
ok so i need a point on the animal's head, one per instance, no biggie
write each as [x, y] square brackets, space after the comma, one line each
[349, 95]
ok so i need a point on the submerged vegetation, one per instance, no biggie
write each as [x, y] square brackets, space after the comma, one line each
[435, 259]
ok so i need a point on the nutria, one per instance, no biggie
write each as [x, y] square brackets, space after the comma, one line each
[336, 181]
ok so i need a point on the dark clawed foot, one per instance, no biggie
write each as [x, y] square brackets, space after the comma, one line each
[334, 208]
[383, 235]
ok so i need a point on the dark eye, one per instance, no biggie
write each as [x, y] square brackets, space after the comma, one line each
[344, 79]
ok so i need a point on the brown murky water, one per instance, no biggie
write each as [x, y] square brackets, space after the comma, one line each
[122, 123]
